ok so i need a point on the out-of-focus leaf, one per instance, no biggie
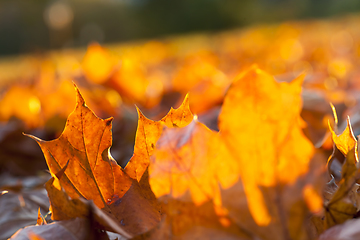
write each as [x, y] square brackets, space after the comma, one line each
[19, 205]
[200, 76]
[260, 123]
[97, 64]
[22, 103]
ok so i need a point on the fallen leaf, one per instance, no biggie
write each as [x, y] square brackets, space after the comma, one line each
[147, 134]
[346, 140]
[260, 130]
[97, 64]
[341, 207]
[64, 208]
[93, 174]
[260, 123]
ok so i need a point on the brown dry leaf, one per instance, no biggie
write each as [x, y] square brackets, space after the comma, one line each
[64, 208]
[93, 174]
[341, 207]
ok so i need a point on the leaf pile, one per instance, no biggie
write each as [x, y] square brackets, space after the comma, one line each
[249, 164]
[184, 178]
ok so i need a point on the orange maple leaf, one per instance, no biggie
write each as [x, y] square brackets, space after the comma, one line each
[260, 142]
[93, 174]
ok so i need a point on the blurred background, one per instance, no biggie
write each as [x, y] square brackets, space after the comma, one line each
[152, 53]
[35, 26]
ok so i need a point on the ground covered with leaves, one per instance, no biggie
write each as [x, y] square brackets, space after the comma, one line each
[260, 145]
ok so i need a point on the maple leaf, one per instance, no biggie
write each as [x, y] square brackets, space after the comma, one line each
[185, 173]
[260, 131]
[346, 140]
[341, 207]
[147, 134]
[260, 123]
[64, 208]
[93, 174]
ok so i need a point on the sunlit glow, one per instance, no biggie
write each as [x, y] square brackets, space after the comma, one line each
[224, 221]
[56, 184]
[3, 192]
[342, 42]
[312, 199]
[334, 113]
[34, 105]
[97, 64]
[339, 67]
[291, 50]
[34, 236]
[154, 88]
[114, 98]
[257, 206]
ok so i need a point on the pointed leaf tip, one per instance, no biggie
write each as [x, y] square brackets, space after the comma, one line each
[79, 98]
[38, 140]
[346, 140]
[61, 172]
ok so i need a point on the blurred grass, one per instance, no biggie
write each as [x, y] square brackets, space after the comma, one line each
[23, 27]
